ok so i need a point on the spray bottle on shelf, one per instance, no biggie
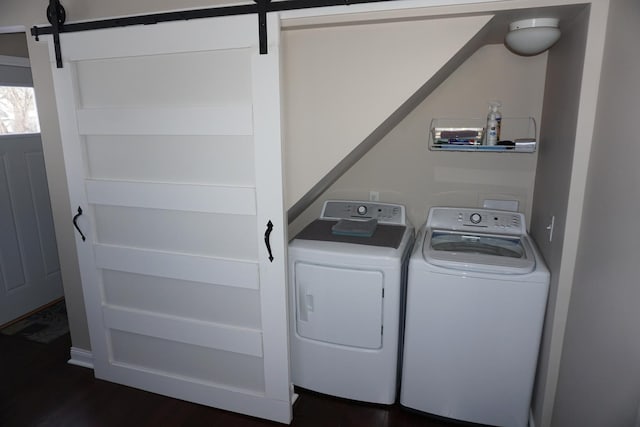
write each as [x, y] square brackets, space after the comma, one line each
[494, 121]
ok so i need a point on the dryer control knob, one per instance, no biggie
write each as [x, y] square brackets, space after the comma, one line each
[362, 209]
[475, 218]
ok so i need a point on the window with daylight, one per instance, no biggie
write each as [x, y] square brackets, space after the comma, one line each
[18, 112]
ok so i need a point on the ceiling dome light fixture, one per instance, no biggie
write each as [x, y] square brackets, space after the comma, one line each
[532, 36]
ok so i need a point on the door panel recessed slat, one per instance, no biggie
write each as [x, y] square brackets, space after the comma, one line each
[227, 120]
[197, 159]
[242, 274]
[232, 32]
[183, 197]
[194, 300]
[205, 334]
[175, 231]
[178, 80]
[168, 360]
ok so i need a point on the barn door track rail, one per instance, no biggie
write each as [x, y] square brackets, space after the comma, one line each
[56, 16]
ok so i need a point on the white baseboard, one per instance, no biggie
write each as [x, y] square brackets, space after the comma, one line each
[532, 423]
[80, 357]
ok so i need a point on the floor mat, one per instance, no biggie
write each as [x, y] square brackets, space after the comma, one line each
[43, 326]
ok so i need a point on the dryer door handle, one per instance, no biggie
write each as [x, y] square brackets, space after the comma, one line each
[305, 303]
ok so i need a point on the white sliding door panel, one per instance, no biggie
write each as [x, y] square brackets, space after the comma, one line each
[171, 136]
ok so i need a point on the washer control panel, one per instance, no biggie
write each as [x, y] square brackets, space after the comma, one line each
[385, 213]
[488, 221]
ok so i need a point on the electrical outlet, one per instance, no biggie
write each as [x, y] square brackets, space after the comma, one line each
[374, 196]
[550, 227]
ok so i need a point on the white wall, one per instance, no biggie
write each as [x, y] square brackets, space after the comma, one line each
[553, 181]
[343, 81]
[403, 170]
[571, 91]
[599, 381]
[14, 44]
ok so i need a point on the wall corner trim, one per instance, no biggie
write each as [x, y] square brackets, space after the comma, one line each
[81, 357]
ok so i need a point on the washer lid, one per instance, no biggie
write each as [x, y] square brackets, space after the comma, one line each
[490, 253]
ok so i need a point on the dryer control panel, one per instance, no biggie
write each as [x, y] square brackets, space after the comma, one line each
[485, 220]
[385, 213]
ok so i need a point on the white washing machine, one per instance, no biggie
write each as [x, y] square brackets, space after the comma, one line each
[476, 298]
[347, 273]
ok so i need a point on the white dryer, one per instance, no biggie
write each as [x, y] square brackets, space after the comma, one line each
[347, 274]
[476, 298]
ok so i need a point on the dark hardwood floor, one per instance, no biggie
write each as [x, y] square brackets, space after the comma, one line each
[39, 388]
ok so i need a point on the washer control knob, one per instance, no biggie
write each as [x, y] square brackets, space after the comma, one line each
[362, 210]
[475, 218]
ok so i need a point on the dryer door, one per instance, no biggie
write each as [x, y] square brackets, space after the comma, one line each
[339, 305]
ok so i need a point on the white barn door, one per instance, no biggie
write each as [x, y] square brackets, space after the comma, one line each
[171, 136]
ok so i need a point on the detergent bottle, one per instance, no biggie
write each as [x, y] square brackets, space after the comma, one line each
[494, 121]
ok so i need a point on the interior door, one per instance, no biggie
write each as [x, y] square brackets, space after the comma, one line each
[29, 267]
[171, 137]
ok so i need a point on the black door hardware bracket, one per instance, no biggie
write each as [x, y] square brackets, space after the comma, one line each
[267, 241]
[262, 25]
[56, 16]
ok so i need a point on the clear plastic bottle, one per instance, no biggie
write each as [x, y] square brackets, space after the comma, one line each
[495, 107]
[494, 121]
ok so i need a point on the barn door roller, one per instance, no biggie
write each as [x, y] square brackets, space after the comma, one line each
[57, 15]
